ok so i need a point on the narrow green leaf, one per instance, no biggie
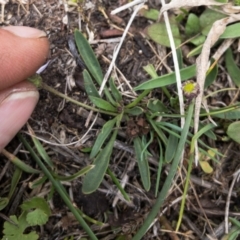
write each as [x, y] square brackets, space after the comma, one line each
[115, 92]
[37, 182]
[235, 222]
[159, 131]
[150, 70]
[88, 56]
[41, 150]
[233, 114]
[60, 189]
[197, 50]
[167, 79]
[232, 31]
[168, 182]
[89, 85]
[94, 177]
[211, 76]
[233, 234]
[24, 167]
[90, 61]
[75, 175]
[160, 164]
[155, 105]
[20, 164]
[171, 148]
[199, 134]
[142, 164]
[3, 203]
[135, 111]
[210, 134]
[120, 188]
[103, 104]
[232, 67]
[14, 182]
[102, 136]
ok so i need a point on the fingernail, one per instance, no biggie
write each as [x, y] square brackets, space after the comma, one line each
[15, 111]
[25, 32]
[17, 96]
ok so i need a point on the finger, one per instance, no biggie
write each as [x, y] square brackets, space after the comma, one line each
[16, 106]
[23, 50]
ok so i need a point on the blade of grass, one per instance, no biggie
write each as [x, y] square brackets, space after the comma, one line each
[74, 176]
[102, 136]
[90, 60]
[167, 79]
[167, 184]
[59, 189]
[116, 94]
[54, 91]
[142, 163]
[159, 166]
[115, 180]
[194, 139]
[89, 85]
[102, 104]
[94, 177]
[40, 148]
[20, 164]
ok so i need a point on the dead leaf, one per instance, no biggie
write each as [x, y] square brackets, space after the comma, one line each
[189, 3]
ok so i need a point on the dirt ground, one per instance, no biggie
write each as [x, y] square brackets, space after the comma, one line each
[59, 122]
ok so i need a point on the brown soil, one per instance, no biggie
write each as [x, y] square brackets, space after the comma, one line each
[57, 121]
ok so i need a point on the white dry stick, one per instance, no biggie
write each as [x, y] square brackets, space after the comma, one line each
[189, 3]
[176, 65]
[235, 178]
[3, 3]
[202, 63]
[126, 6]
[119, 47]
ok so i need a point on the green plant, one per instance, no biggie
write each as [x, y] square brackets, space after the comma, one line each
[35, 212]
[140, 116]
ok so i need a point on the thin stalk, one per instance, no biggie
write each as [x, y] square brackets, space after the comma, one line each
[167, 184]
[52, 90]
[120, 188]
[139, 98]
[185, 191]
[60, 190]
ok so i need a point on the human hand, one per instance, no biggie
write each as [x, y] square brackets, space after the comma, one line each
[22, 51]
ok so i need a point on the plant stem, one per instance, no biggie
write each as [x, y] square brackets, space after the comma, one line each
[52, 90]
[57, 185]
[167, 184]
[139, 98]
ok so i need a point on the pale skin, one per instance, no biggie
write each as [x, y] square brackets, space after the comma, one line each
[23, 50]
